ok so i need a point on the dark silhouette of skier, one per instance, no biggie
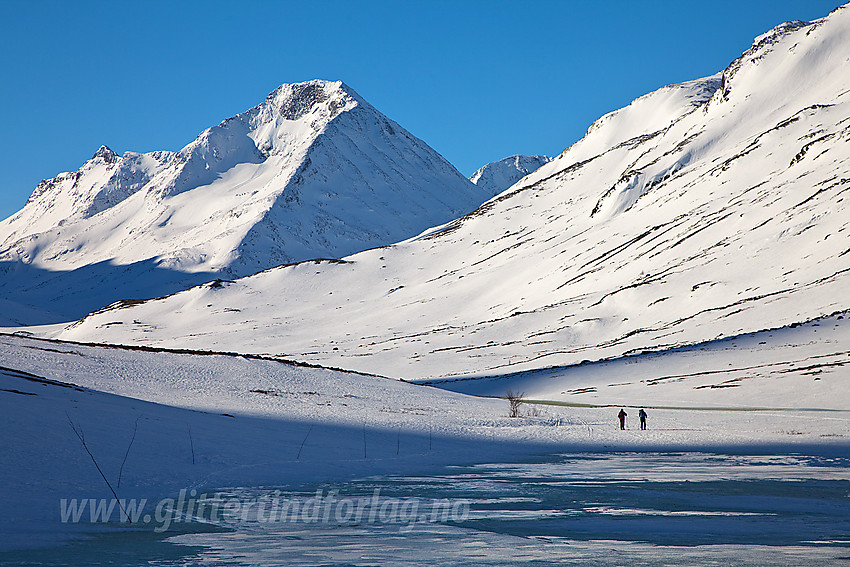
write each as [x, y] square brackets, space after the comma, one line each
[622, 415]
[642, 416]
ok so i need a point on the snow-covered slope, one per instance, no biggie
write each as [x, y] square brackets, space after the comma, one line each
[158, 423]
[497, 176]
[314, 171]
[702, 210]
[804, 366]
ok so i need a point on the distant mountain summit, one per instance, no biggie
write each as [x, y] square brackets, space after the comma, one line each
[313, 171]
[497, 176]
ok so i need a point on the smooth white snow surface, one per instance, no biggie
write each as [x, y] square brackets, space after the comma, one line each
[802, 367]
[704, 210]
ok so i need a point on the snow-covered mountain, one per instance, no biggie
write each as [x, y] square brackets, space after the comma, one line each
[702, 210]
[497, 176]
[313, 171]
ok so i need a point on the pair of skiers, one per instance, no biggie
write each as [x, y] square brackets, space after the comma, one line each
[622, 417]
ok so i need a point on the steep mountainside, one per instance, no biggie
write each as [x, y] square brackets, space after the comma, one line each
[702, 210]
[497, 176]
[312, 172]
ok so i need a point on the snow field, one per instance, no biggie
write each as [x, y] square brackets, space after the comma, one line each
[166, 422]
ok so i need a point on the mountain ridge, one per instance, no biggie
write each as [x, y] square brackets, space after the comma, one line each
[312, 171]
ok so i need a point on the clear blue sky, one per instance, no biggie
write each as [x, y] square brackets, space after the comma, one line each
[477, 80]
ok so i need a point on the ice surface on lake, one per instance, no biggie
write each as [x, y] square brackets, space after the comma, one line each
[588, 509]
[617, 508]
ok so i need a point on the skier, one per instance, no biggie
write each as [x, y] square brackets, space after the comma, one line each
[642, 416]
[622, 415]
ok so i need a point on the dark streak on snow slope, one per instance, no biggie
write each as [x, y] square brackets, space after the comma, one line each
[37, 379]
[143, 348]
[671, 350]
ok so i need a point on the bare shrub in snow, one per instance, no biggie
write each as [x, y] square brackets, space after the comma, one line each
[515, 399]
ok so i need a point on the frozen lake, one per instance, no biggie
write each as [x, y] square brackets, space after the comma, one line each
[635, 508]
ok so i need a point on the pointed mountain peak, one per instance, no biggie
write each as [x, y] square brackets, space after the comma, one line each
[312, 171]
[295, 100]
[105, 154]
